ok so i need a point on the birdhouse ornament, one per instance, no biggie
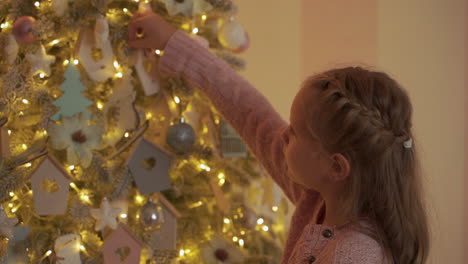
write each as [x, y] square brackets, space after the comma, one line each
[122, 247]
[149, 165]
[50, 185]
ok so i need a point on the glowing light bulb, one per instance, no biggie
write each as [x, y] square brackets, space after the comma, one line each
[48, 252]
[235, 239]
[66, 62]
[55, 42]
[158, 52]
[99, 105]
[227, 221]
[116, 64]
[204, 17]
[260, 221]
[241, 242]
[181, 253]
[195, 30]
[42, 75]
[9, 132]
[4, 25]
[125, 10]
[119, 75]
[12, 194]
[24, 146]
[82, 247]
[265, 228]
[28, 164]
[71, 167]
[37, 4]
[123, 215]
[274, 208]
[176, 99]
[126, 134]
[75, 61]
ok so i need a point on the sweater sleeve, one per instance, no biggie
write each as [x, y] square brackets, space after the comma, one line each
[248, 111]
[358, 248]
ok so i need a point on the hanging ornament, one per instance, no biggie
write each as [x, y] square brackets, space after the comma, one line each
[72, 101]
[181, 137]
[22, 30]
[106, 215]
[11, 49]
[67, 249]
[95, 51]
[40, 61]
[151, 215]
[148, 72]
[6, 224]
[233, 36]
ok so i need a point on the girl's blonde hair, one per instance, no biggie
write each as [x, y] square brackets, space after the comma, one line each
[366, 116]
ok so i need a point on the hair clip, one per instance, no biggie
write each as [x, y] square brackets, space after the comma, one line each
[408, 143]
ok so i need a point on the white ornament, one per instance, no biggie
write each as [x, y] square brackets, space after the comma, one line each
[106, 215]
[187, 7]
[11, 49]
[232, 35]
[200, 7]
[101, 31]
[99, 68]
[40, 61]
[67, 249]
[173, 7]
[60, 6]
[149, 79]
[6, 224]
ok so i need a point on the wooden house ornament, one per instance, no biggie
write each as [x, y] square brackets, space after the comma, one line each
[232, 145]
[4, 139]
[149, 165]
[50, 183]
[166, 236]
[122, 247]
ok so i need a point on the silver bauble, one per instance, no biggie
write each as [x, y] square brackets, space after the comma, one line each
[181, 137]
[151, 215]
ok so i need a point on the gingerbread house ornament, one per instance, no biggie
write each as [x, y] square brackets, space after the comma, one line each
[50, 183]
[149, 165]
[166, 236]
[122, 247]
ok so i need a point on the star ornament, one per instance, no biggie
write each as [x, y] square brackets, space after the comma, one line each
[40, 61]
[106, 216]
[6, 224]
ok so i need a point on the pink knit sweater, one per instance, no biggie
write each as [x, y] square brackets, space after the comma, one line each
[260, 126]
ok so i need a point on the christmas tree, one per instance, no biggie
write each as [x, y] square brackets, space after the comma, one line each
[152, 173]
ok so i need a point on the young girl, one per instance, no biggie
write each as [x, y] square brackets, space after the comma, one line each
[347, 159]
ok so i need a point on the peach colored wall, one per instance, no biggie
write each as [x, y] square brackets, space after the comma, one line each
[336, 33]
[273, 60]
[421, 43]
[466, 135]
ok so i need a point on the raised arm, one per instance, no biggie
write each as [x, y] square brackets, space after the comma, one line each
[248, 111]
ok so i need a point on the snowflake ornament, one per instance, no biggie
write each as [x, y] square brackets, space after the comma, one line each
[106, 215]
[221, 251]
[76, 136]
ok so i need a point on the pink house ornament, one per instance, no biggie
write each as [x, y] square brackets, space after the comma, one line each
[122, 247]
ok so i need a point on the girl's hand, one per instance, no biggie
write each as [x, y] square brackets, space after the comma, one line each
[149, 30]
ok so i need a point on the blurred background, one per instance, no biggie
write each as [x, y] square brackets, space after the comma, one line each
[423, 44]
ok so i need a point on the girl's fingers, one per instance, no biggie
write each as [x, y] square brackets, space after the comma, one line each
[138, 43]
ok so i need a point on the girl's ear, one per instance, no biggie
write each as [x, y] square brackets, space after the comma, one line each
[340, 167]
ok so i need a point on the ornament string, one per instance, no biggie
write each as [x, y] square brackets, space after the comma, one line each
[127, 144]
